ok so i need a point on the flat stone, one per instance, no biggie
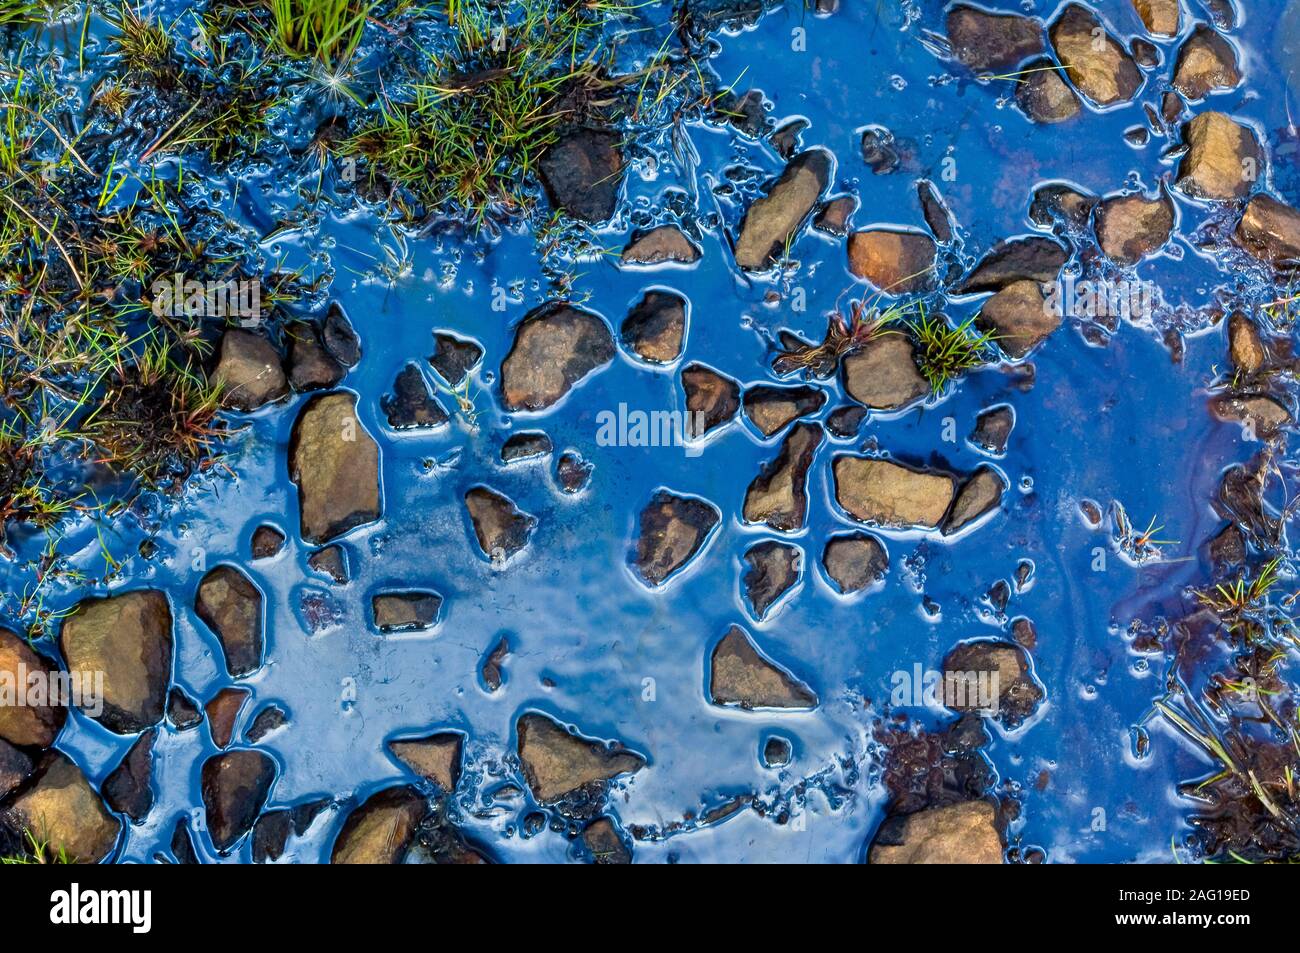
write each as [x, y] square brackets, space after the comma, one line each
[1160, 17]
[896, 262]
[1207, 63]
[1245, 346]
[15, 768]
[834, 215]
[1270, 231]
[993, 429]
[663, 244]
[526, 445]
[855, 561]
[61, 810]
[248, 371]
[778, 496]
[770, 407]
[655, 328]
[267, 542]
[127, 789]
[890, 494]
[555, 347]
[331, 561]
[977, 496]
[500, 527]
[673, 529]
[740, 676]
[335, 464]
[573, 473]
[1044, 94]
[231, 606]
[182, 711]
[772, 222]
[1098, 66]
[1020, 317]
[882, 373]
[454, 358]
[557, 762]
[382, 829]
[1018, 259]
[987, 41]
[27, 726]
[222, 711]
[582, 173]
[603, 843]
[235, 786]
[846, 421]
[1018, 694]
[1130, 227]
[310, 366]
[1263, 414]
[1223, 161]
[712, 399]
[405, 611]
[267, 721]
[1056, 203]
[938, 217]
[774, 568]
[128, 638]
[411, 405]
[964, 833]
[338, 337]
[436, 758]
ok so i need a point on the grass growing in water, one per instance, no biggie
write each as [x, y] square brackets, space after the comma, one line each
[865, 323]
[325, 30]
[944, 353]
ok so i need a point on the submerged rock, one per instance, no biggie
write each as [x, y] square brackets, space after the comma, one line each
[1056, 203]
[235, 786]
[248, 371]
[454, 358]
[603, 843]
[835, 213]
[331, 561]
[964, 833]
[231, 606]
[411, 404]
[894, 261]
[772, 222]
[267, 542]
[556, 346]
[1100, 67]
[1270, 231]
[500, 527]
[182, 711]
[1018, 259]
[740, 676]
[712, 399]
[267, 721]
[777, 752]
[527, 445]
[1160, 17]
[774, 568]
[890, 494]
[61, 810]
[27, 726]
[573, 473]
[310, 365]
[1245, 346]
[381, 829]
[1206, 63]
[223, 711]
[846, 421]
[128, 638]
[405, 611]
[882, 373]
[1261, 413]
[937, 215]
[491, 668]
[673, 529]
[1018, 693]
[993, 429]
[1020, 317]
[655, 329]
[770, 407]
[1044, 94]
[778, 496]
[335, 464]
[127, 789]
[992, 41]
[663, 244]
[1223, 160]
[557, 762]
[435, 758]
[582, 173]
[855, 561]
[977, 496]
[338, 337]
[1130, 227]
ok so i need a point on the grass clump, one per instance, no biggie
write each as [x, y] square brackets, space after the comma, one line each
[864, 323]
[37, 851]
[944, 353]
[324, 30]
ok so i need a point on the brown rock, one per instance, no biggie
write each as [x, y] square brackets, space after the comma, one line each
[1017, 259]
[1223, 160]
[411, 405]
[663, 244]
[1270, 231]
[993, 429]
[310, 366]
[894, 261]
[855, 561]
[1130, 227]
[1096, 63]
[60, 809]
[436, 758]
[248, 371]
[15, 768]
[740, 676]
[332, 561]
[963, 833]
[231, 606]
[1206, 63]
[778, 496]
[968, 683]
[335, 464]
[1161, 17]
[382, 829]
[673, 529]
[454, 358]
[770, 407]
[127, 789]
[890, 494]
[1020, 317]
[558, 762]
[555, 347]
[222, 712]
[1245, 347]
[655, 329]
[774, 569]
[835, 213]
[405, 611]
[582, 173]
[882, 374]
[235, 786]
[773, 221]
[978, 495]
[603, 842]
[1044, 94]
[500, 527]
[712, 399]
[1056, 203]
[267, 542]
[937, 215]
[992, 41]
[1264, 415]
[34, 726]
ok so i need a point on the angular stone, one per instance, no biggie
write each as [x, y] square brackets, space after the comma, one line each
[436, 758]
[602, 841]
[15, 768]
[382, 829]
[964, 833]
[1270, 231]
[267, 721]
[28, 726]
[339, 338]
[778, 496]
[222, 711]
[235, 786]
[267, 542]
[835, 213]
[60, 809]
[491, 670]
[573, 473]
[1097, 64]
[1056, 203]
[1130, 227]
[500, 527]
[740, 676]
[937, 214]
[557, 762]
[1018, 694]
[182, 711]
[1245, 347]
[894, 261]
[127, 789]
[774, 568]
[454, 358]
[776, 752]
[128, 638]
[770, 407]
[712, 399]
[582, 173]
[332, 561]
[1262, 413]
[855, 561]
[993, 429]
[248, 371]
[882, 373]
[556, 346]
[978, 495]
[890, 494]
[663, 244]
[1206, 63]
[405, 611]
[1044, 94]
[1223, 159]
[1020, 317]
[1017, 259]
[231, 606]
[411, 404]
[772, 222]
[335, 464]
[673, 529]
[1160, 17]
[526, 445]
[987, 41]
[846, 421]
[655, 329]
[310, 365]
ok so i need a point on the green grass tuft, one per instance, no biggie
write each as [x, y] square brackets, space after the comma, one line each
[944, 353]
